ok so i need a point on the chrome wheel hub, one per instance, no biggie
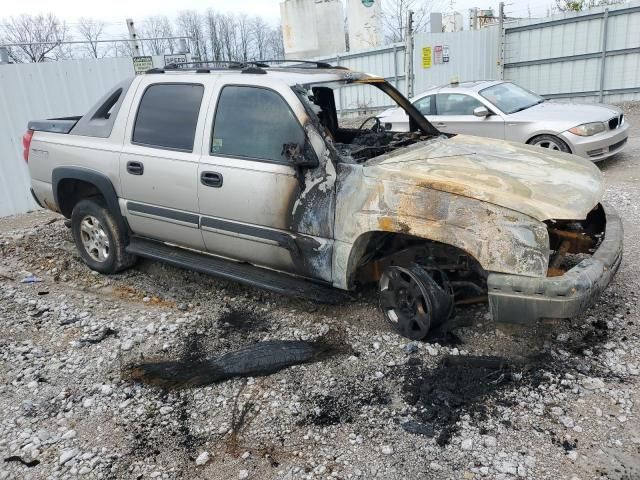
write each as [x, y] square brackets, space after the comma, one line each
[551, 145]
[94, 238]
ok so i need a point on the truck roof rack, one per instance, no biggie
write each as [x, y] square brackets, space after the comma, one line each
[306, 62]
[209, 66]
[250, 66]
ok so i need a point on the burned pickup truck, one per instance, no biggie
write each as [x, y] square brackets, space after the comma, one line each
[248, 173]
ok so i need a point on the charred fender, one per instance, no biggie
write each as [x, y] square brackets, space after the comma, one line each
[499, 239]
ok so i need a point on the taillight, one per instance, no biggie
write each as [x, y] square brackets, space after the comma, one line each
[26, 143]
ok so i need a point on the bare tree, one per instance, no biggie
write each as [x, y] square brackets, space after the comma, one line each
[395, 15]
[579, 5]
[228, 37]
[276, 44]
[158, 27]
[40, 35]
[243, 29]
[213, 26]
[260, 31]
[91, 31]
[191, 24]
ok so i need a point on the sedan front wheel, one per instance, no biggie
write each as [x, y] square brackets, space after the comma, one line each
[551, 142]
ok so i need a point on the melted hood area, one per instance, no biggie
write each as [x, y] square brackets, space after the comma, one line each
[530, 180]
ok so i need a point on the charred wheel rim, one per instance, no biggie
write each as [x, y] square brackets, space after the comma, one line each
[94, 238]
[405, 302]
[549, 143]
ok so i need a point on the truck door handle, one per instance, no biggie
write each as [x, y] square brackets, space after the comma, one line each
[135, 168]
[211, 179]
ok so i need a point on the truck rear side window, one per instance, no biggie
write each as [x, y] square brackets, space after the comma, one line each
[168, 116]
[254, 122]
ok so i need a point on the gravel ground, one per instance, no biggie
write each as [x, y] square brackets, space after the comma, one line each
[476, 401]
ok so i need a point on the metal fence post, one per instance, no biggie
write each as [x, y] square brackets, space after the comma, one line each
[395, 66]
[603, 59]
[501, 41]
[341, 91]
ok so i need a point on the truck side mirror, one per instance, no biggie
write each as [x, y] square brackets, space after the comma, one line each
[301, 156]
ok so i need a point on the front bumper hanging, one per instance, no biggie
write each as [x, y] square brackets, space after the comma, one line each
[525, 300]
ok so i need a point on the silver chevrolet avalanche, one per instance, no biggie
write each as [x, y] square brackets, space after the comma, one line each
[249, 173]
[504, 110]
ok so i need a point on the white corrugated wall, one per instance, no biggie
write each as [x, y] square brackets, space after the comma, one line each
[473, 55]
[562, 55]
[44, 90]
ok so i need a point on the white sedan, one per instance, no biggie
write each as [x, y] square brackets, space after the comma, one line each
[504, 110]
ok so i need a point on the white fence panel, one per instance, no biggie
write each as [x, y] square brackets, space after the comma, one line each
[562, 56]
[44, 90]
[473, 55]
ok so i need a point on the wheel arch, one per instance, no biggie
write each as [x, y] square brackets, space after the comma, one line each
[367, 244]
[66, 192]
[532, 137]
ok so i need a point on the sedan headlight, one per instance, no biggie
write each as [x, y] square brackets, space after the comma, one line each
[588, 129]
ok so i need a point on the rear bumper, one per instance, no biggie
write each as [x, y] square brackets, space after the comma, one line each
[525, 300]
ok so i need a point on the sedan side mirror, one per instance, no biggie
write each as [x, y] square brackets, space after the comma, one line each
[481, 112]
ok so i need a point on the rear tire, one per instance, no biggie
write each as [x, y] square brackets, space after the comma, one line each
[98, 238]
[550, 142]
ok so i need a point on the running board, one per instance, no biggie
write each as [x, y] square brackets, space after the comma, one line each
[239, 272]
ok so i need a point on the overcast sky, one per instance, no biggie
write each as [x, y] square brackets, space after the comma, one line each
[116, 11]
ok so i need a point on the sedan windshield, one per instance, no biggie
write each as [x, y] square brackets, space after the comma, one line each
[510, 98]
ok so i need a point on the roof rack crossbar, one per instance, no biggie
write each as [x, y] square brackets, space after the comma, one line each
[201, 67]
[309, 62]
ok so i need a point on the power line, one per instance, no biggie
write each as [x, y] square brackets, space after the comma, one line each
[71, 42]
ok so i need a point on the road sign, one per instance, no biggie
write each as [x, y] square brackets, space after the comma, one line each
[142, 64]
[175, 58]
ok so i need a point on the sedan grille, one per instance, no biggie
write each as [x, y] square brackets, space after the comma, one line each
[616, 122]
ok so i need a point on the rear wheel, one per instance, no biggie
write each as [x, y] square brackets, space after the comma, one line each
[412, 301]
[98, 238]
[551, 142]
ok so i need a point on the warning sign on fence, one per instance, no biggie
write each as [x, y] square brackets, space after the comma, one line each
[426, 57]
[437, 54]
[142, 64]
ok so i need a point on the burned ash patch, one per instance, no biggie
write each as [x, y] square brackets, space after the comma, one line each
[160, 436]
[344, 404]
[592, 338]
[243, 321]
[457, 386]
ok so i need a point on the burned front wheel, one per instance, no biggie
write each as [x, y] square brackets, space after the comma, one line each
[413, 299]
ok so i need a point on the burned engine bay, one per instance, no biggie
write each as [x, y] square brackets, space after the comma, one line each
[360, 144]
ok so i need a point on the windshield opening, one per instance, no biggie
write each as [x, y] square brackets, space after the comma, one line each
[347, 112]
[510, 98]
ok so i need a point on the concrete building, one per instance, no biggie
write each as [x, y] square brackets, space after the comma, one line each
[364, 23]
[312, 28]
[452, 22]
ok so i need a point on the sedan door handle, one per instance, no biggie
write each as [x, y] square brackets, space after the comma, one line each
[211, 179]
[440, 124]
[135, 168]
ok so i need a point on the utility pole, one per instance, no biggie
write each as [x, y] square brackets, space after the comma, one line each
[133, 36]
[501, 39]
[4, 55]
[408, 59]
